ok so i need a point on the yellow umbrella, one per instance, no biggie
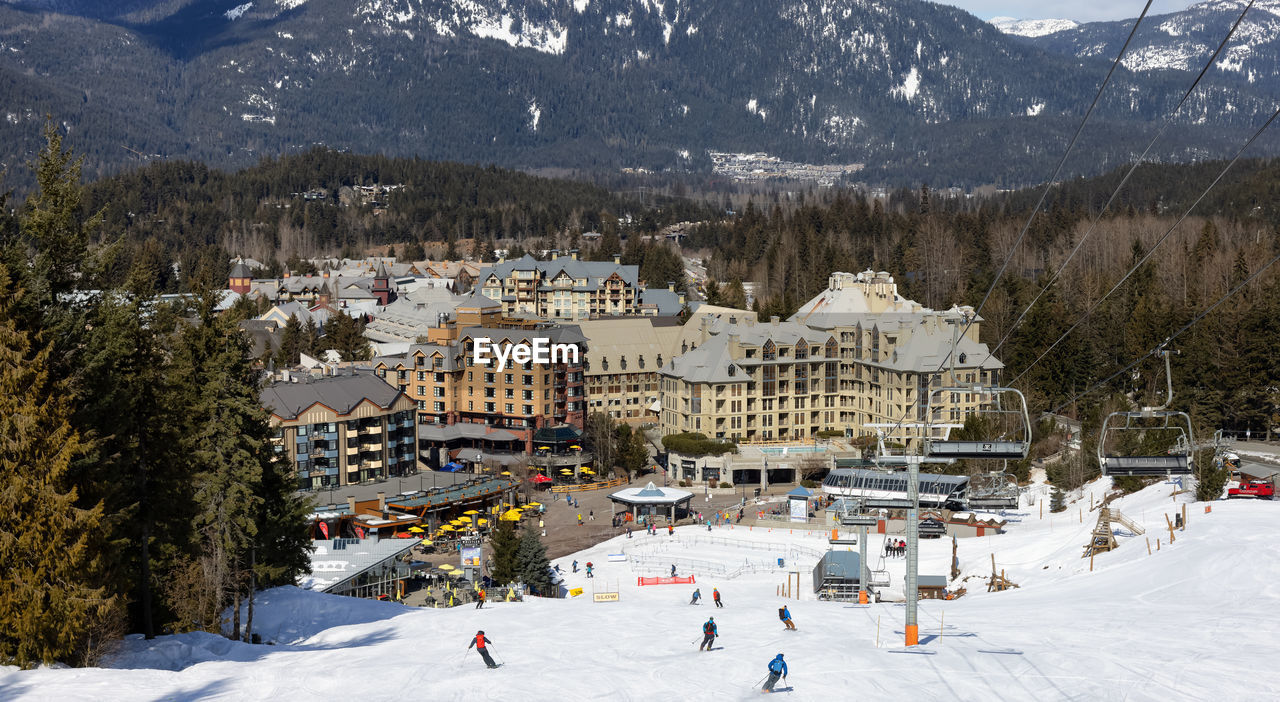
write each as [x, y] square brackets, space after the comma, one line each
[505, 472]
[483, 521]
[416, 530]
[511, 515]
[575, 446]
[446, 527]
[566, 471]
[446, 566]
[471, 511]
[534, 504]
[544, 448]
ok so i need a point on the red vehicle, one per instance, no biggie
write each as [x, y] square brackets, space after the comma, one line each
[1249, 489]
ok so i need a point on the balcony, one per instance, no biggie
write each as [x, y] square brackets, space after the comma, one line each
[374, 429]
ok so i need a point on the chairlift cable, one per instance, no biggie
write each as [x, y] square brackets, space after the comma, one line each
[1048, 186]
[1157, 348]
[1115, 193]
[1153, 249]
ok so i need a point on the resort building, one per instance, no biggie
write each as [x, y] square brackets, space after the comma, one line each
[342, 429]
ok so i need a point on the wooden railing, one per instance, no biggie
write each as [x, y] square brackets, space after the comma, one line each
[616, 482]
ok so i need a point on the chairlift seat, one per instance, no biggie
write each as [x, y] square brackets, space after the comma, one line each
[993, 502]
[1008, 450]
[858, 520]
[886, 503]
[1146, 465]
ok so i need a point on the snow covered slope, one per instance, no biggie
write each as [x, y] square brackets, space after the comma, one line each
[1180, 624]
[1032, 28]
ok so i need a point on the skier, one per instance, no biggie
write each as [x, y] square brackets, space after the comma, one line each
[785, 615]
[575, 566]
[715, 596]
[670, 530]
[479, 642]
[479, 598]
[696, 594]
[673, 570]
[708, 525]
[628, 532]
[777, 669]
[708, 634]
[589, 566]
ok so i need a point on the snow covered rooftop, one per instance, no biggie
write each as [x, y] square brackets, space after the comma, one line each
[651, 495]
[330, 565]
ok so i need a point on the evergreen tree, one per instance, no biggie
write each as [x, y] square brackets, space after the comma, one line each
[51, 608]
[1056, 503]
[505, 543]
[290, 342]
[531, 559]
[633, 455]
[344, 335]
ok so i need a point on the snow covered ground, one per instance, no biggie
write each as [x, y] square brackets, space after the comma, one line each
[1191, 621]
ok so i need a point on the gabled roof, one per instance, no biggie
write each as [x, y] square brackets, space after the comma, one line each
[340, 393]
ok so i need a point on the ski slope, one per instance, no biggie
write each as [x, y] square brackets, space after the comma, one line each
[1191, 621]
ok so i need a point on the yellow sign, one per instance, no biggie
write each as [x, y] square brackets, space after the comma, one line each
[575, 592]
[606, 597]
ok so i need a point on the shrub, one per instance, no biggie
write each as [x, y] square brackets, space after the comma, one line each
[830, 434]
[712, 484]
[684, 483]
[695, 445]
[808, 483]
[726, 484]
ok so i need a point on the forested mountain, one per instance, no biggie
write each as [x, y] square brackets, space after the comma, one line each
[917, 91]
[1183, 41]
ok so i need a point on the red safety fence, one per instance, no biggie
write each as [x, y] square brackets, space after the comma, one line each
[665, 581]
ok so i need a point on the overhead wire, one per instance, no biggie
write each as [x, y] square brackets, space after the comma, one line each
[1116, 192]
[1147, 256]
[1158, 347]
[1039, 203]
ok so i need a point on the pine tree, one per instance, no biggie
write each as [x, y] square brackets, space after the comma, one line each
[534, 568]
[50, 608]
[290, 342]
[1056, 503]
[505, 543]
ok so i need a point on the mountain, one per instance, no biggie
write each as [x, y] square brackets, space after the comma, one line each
[915, 90]
[1184, 41]
[1032, 28]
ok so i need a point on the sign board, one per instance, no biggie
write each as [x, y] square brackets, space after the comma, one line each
[575, 592]
[471, 557]
[799, 510]
[617, 557]
[605, 597]
[932, 527]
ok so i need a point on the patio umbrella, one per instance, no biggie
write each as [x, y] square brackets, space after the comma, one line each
[416, 530]
[544, 448]
[471, 511]
[511, 515]
[505, 472]
[534, 504]
[483, 521]
[446, 527]
[541, 479]
[576, 447]
[446, 566]
[566, 471]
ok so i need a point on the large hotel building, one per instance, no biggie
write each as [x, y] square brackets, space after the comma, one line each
[857, 358]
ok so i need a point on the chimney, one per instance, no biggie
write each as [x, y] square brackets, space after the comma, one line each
[325, 275]
[351, 503]
[502, 258]
[773, 321]
[617, 259]
[573, 253]
[671, 285]
[286, 275]
[382, 501]
[733, 319]
[555, 253]
[680, 297]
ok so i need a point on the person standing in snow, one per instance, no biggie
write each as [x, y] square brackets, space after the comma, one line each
[715, 596]
[589, 566]
[479, 598]
[575, 566]
[708, 634]
[673, 570]
[777, 669]
[671, 530]
[696, 594]
[480, 641]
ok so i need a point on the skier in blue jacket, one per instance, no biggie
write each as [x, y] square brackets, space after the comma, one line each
[709, 634]
[777, 669]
